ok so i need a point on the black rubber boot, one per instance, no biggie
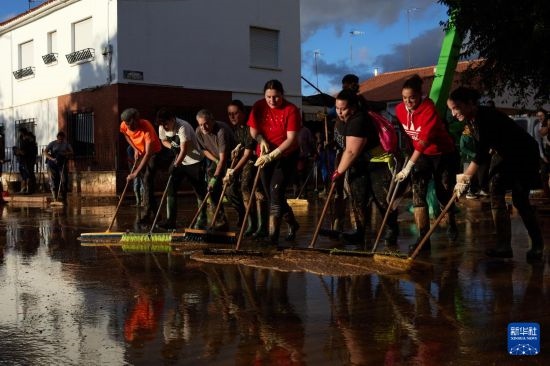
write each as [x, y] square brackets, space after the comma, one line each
[392, 230]
[292, 224]
[452, 229]
[503, 228]
[261, 219]
[274, 230]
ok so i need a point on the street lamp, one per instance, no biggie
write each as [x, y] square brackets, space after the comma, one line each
[409, 11]
[351, 34]
[316, 53]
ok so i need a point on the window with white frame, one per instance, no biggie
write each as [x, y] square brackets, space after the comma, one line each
[264, 47]
[26, 54]
[52, 42]
[82, 35]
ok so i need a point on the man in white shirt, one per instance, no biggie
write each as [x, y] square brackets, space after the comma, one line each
[179, 136]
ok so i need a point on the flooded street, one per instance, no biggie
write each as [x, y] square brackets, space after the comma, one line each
[62, 303]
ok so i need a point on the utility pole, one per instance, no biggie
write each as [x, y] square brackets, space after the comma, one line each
[316, 53]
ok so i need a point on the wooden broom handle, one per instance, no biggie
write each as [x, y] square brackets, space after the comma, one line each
[323, 213]
[121, 198]
[250, 202]
[434, 226]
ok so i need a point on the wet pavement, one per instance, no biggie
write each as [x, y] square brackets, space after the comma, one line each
[62, 303]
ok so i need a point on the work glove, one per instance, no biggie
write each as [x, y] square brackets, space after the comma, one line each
[235, 152]
[228, 176]
[268, 158]
[462, 184]
[264, 146]
[175, 148]
[212, 183]
[336, 175]
[404, 173]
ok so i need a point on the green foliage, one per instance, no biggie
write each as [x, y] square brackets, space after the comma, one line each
[513, 39]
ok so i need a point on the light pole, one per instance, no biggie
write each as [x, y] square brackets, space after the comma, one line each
[351, 34]
[409, 11]
[316, 53]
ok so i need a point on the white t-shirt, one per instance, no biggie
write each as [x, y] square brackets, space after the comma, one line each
[185, 133]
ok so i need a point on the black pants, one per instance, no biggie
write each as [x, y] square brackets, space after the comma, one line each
[276, 177]
[442, 169]
[194, 174]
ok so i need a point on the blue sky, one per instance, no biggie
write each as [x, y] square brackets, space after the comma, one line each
[387, 32]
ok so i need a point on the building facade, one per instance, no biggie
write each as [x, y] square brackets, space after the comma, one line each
[74, 65]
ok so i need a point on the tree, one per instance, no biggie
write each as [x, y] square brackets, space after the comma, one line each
[512, 38]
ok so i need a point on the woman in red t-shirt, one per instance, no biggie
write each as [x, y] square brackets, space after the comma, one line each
[274, 123]
[434, 156]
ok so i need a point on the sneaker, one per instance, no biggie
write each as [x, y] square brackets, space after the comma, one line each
[471, 196]
[499, 253]
[482, 193]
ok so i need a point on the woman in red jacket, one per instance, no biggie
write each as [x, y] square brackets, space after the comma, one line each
[434, 156]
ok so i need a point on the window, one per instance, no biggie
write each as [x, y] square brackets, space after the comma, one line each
[80, 134]
[26, 54]
[264, 47]
[29, 124]
[52, 42]
[82, 35]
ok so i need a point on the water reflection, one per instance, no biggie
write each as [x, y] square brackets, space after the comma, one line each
[62, 303]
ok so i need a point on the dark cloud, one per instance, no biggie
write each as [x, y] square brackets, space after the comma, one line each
[424, 52]
[339, 14]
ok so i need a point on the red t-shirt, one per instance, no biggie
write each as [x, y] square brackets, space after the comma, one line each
[424, 124]
[144, 133]
[273, 123]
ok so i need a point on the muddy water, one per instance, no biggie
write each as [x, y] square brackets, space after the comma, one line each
[65, 304]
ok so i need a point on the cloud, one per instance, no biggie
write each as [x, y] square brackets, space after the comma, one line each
[339, 14]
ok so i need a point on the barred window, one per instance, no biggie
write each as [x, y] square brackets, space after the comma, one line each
[80, 133]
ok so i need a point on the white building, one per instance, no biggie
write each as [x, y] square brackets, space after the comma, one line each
[74, 65]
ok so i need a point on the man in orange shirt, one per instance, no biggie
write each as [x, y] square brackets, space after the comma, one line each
[141, 135]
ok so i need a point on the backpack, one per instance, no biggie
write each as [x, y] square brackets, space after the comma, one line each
[386, 132]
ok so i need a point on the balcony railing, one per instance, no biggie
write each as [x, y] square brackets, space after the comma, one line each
[50, 58]
[86, 54]
[23, 73]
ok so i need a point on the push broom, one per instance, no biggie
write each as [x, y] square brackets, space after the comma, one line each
[210, 235]
[150, 241]
[237, 250]
[108, 235]
[409, 263]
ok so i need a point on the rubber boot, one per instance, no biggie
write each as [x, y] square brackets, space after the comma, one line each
[261, 219]
[503, 227]
[422, 220]
[171, 209]
[292, 224]
[533, 229]
[274, 229]
[452, 229]
[392, 230]
[357, 237]
[202, 220]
